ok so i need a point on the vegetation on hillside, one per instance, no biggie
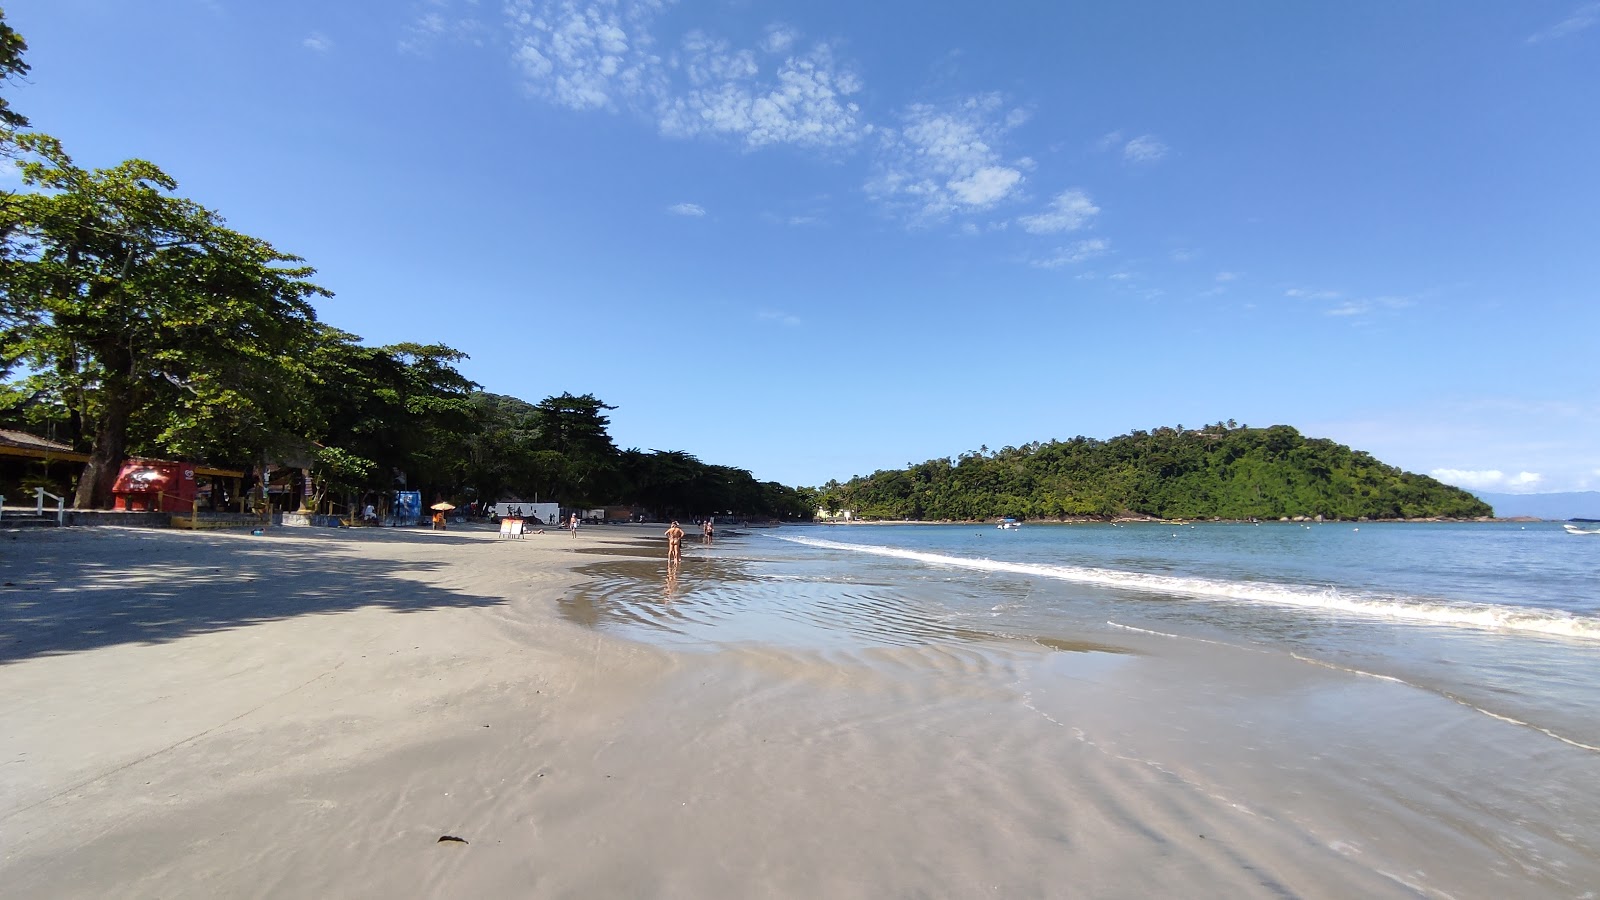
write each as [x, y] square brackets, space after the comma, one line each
[1222, 471]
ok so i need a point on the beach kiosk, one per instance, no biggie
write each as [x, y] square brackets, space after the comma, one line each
[155, 485]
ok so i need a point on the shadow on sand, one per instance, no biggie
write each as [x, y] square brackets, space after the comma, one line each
[77, 590]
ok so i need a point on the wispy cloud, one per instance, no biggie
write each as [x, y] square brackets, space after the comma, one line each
[796, 220]
[318, 42]
[1144, 149]
[604, 55]
[1309, 294]
[1069, 211]
[585, 56]
[1073, 254]
[441, 22]
[769, 98]
[1349, 307]
[1184, 254]
[1584, 17]
[687, 209]
[1482, 479]
[1225, 277]
[944, 159]
[779, 317]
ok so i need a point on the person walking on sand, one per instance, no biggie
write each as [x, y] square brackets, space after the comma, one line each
[674, 546]
[573, 524]
[706, 530]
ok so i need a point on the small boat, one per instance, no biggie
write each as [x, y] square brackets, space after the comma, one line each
[1574, 529]
[1009, 523]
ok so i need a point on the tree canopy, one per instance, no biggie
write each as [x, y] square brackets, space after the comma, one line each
[125, 301]
[11, 66]
[1219, 471]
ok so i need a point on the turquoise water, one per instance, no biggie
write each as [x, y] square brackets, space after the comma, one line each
[1501, 618]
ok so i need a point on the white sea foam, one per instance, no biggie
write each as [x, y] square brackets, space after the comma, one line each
[1400, 608]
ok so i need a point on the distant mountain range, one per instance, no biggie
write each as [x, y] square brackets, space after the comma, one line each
[1573, 505]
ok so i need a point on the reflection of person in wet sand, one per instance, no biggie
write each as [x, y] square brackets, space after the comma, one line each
[706, 530]
[674, 548]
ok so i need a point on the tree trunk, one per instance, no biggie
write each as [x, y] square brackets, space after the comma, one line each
[105, 459]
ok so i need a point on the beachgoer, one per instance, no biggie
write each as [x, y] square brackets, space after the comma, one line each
[706, 530]
[369, 514]
[438, 521]
[574, 525]
[674, 545]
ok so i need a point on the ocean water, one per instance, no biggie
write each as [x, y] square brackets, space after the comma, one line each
[1501, 618]
[1415, 703]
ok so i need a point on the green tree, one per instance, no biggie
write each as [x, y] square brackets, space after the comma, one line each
[575, 428]
[117, 295]
[11, 66]
[372, 411]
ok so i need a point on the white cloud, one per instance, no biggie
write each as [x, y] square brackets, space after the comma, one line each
[1585, 16]
[431, 27]
[985, 186]
[593, 56]
[1144, 149]
[318, 42]
[1483, 479]
[602, 54]
[943, 160]
[686, 209]
[779, 39]
[1304, 294]
[1075, 253]
[1224, 277]
[1184, 254]
[804, 101]
[1350, 308]
[781, 318]
[1069, 211]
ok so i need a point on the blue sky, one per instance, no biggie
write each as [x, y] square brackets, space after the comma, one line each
[817, 239]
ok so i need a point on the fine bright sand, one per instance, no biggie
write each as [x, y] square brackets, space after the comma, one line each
[308, 713]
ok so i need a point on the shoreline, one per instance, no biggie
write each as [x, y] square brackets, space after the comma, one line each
[309, 714]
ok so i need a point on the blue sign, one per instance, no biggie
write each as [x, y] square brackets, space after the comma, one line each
[407, 507]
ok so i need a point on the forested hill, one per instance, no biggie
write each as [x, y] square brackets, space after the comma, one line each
[1217, 471]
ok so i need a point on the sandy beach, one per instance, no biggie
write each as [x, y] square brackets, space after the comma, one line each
[313, 712]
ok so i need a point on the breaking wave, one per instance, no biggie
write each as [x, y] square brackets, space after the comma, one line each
[1397, 608]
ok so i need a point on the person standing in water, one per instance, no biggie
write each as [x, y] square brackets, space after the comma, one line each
[706, 529]
[674, 547]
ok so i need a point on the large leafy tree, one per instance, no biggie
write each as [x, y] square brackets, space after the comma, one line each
[374, 411]
[576, 456]
[122, 299]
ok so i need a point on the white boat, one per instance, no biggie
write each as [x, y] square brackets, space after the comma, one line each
[1575, 529]
[1009, 523]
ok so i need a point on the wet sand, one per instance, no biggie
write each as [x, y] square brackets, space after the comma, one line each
[309, 712]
